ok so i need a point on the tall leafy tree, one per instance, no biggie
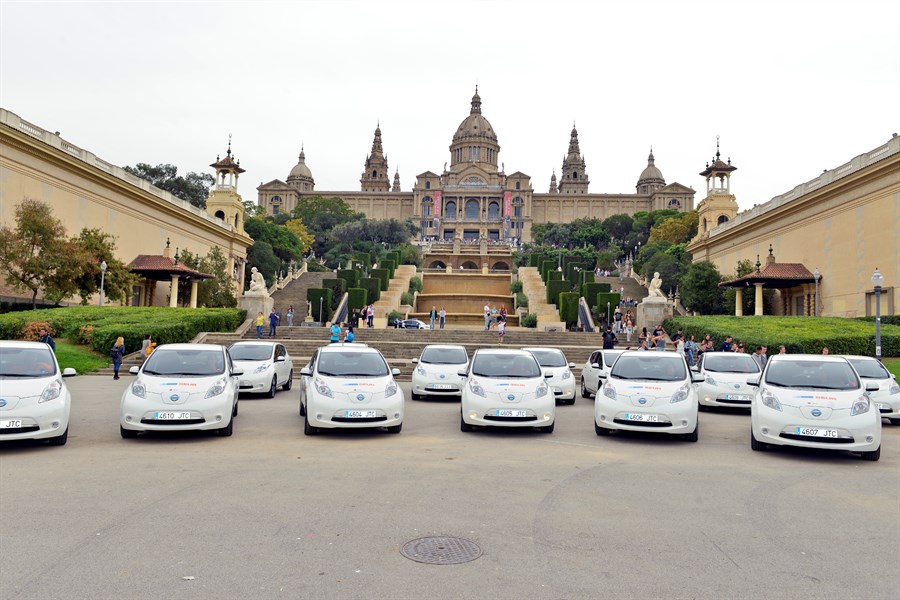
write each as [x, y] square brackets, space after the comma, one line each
[676, 229]
[281, 240]
[618, 226]
[700, 289]
[320, 214]
[98, 246]
[193, 187]
[217, 292]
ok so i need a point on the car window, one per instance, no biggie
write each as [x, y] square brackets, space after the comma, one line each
[730, 362]
[250, 352]
[869, 369]
[595, 358]
[505, 365]
[347, 363]
[550, 358]
[444, 356]
[26, 363]
[649, 367]
[188, 362]
[812, 374]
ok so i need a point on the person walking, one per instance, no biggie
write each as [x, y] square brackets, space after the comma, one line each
[629, 327]
[643, 338]
[690, 349]
[47, 339]
[501, 331]
[350, 336]
[117, 354]
[432, 317]
[609, 339]
[370, 316]
[273, 322]
[443, 316]
[260, 321]
[760, 357]
[487, 317]
[335, 333]
[290, 315]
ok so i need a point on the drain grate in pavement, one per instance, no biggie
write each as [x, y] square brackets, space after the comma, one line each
[441, 550]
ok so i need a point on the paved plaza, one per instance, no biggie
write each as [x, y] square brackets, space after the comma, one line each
[271, 513]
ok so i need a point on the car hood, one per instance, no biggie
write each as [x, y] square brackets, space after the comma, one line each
[362, 390]
[248, 366]
[735, 381]
[449, 372]
[830, 399]
[884, 388]
[176, 390]
[509, 390]
[13, 390]
[556, 371]
[645, 393]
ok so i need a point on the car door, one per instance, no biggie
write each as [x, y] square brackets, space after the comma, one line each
[280, 366]
[234, 379]
[590, 374]
[306, 381]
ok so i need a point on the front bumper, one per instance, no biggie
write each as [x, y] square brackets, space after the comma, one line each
[432, 386]
[538, 412]
[888, 405]
[256, 383]
[331, 413]
[140, 414]
[562, 389]
[859, 433]
[725, 395]
[39, 420]
[660, 417]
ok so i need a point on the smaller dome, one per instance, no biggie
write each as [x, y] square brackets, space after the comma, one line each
[300, 170]
[651, 174]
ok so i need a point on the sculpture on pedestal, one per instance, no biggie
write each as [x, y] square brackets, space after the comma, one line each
[654, 290]
[257, 284]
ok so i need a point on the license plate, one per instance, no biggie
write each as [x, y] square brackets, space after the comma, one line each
[511, 413]
[11, 424]
[172, 416]
[642, 417]
[739, 397]
[441, 386]
[816, 432]
[359, 414]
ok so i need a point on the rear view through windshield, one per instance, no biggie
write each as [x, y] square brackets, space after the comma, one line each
[550, 358]
[649, 366]
[505, 365]
[444, 356]
[812, 375]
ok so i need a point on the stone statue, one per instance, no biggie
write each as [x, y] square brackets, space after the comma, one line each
[257, 284]
[654, 290]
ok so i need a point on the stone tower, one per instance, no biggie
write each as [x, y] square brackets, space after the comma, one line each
[396, 187]
[720, 205]
[574, 178]
[375, 174]
[224, 201]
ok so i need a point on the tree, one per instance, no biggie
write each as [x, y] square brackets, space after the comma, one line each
[700, 289]
[261, 256]
[618, 226]
[193, 188]
[217, 292]
[286, 245]
[558, 234]
[36, 255]
[321, 214]
[297, 227]
[252, 209]
[96, 247]
[678, 229]
[590, 232]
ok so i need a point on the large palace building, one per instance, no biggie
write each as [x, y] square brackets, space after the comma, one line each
[475, 198]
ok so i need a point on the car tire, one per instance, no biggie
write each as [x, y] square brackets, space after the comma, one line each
[584, 392]
[874, 455]
[601, 430]
[756, 445]
[234, 411]
[290, 381]
[302, 410]
[61, 439]
[127, 433]
[272, 387]
[309, 429]
[416, 396]
[227, 430]
[394, 428]
[463, 426]
[548, 428]
[694, 435]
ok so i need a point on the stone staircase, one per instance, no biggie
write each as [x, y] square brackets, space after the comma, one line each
[294, 294]
[399, 285]
[633, 289]
[533, 287]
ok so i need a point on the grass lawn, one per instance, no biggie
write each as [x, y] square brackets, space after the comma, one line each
[80, 358]
[893, 365]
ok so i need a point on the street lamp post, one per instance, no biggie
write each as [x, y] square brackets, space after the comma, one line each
[321, 299]
[607, 314]
[877, 282]
[817, 276]
[102, 279]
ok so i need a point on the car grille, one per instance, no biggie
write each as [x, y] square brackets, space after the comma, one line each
[173, 421]
[884, 410]
[358, 420]
[20, 430]
[642, 423]
[813, 438]
[508, 419]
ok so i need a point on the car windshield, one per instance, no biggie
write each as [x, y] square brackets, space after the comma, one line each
[812, 374]
[347, 363]
[869, 368]
[251, 351]
[505, 366]
[444, 356]
[550, 358]
[187, 362]
[734, 362]
[26, 363]
[649, 367]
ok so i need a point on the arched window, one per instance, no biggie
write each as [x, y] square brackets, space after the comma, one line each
[450, 210]
[517, 207]
[574, 174]
[427, 185]
[426, 206]
[374, 174]
[704, 223]
[722, 219]
[518, 185]
[472, 209]
[674, 203]
[494, 210]
[276, 209]
[220, 214]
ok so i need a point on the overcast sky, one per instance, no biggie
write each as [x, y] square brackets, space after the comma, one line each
[792, 87]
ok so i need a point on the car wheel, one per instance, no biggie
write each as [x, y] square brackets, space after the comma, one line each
[548, 428]
[272, 387]
[309, 429]
[694, 435]
[227, 430]
[756, 445]
[463, 426]
[416, 396]
[601, 430]
[871, 455]
[584, 392]
[290, 381]
[127, 433]
[894, 421]
[234, 411]
[61, 439]
[302, 410]
[395, 428]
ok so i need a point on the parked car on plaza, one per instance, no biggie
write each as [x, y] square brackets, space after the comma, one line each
[648, 391]
[599, 361]
[887, 397]
[34, 400]
[182, 387]
[350, 386]
[506, 388]
[562, 383]
[410, 324]
[814, 401]
[437, 371]
[725, 379]
[266, 366]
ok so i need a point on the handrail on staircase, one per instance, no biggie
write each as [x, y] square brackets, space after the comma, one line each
[342, 311]
[585, 320]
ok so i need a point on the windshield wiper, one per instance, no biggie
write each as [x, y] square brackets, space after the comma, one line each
[659, 379]
[151, 372]
[327, 373]
[18, 375]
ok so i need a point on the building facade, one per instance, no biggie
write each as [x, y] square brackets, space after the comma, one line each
[474, 197]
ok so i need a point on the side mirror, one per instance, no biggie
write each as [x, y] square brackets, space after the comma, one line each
[395, 372]
[237, 373]
[134, 370]
[306, 371]
[595, 365]
[753, 381]
[281, 358]
[697, 378]
[571, 365]
[894, 377]
[415, 361]
[871, 386]
[69, 372]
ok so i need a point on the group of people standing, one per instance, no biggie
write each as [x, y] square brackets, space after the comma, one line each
[437, 315]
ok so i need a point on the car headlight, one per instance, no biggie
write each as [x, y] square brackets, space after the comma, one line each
[609, 391]
[262, 368]
[138, 389]
[567, 374]
[711, 381]
[895, 389]
[541, 390]
[215, 389]
[769, 399]
[323, 388]
[421, 371]
[860, 406]
[681, 394]
[476, 388]
[51, 392]
[390, 389]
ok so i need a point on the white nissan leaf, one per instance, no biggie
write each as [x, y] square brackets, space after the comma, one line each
[887, 396]
[437, 371]
[562, 382]
[725, 379]
[266, 366]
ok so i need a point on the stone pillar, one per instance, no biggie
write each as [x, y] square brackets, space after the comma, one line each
[758, 301]
[194, 293]
[738, 302]
[173, 292]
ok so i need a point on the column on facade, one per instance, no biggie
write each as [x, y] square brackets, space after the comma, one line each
[738, 302]
[173, 292]
[758, 301]
[194, 293]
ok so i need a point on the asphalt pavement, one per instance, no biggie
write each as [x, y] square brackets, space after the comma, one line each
[271, 513]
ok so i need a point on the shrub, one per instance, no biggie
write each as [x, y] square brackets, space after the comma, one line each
[605, 287]
[313, 295]
[535, 260]
[382, 275]
[546, 267]
[390, 265]
[613, 298]
[373, 288]
[356, 298]
[415, 284]
[351, 276]
[529, 320]
[573, 275]
[394, 255]
[568, 309]
[554, 276]
[587, 277]
[394, 315]
[590, 291]
[337, 287]
[885, 319]
[32, 330]
[407, 298]
[515, 287]
[521, 300]
[554, 289]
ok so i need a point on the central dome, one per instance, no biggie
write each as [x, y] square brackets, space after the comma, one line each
[475, 125]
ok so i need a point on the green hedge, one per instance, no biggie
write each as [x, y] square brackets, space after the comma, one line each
[798, 334]
[521, 300]
[382, 275]
[363, 258]
[391, 267]
[356, 298]
[98, 327]
[590, 291]
[373, 288]
[885, 319]
[547, 266]
[588, 277]
[415, 284]
[313, 295]
[573, 275]
[535, 260]
[394, 255]
[351, 276]
[613, 298]
[515, 287]
[554, 289]
[568, 307]
[554, 276]
[337, 286]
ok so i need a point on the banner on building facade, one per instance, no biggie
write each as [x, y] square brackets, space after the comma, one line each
[507, 203]
[437, 203]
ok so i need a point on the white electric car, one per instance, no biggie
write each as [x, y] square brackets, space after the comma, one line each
[648, 391]
[887, 397]
[266, 366]
[437, 371]
[725, 379]
[506, 388]
[182, 387]
[34, 399]
[599, 361]
[351, 386]
[562, 383]
[814, 401]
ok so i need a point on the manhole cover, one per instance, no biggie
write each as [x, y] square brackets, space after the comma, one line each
[441, 550]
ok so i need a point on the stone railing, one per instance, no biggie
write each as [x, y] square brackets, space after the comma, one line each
[282, 281]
